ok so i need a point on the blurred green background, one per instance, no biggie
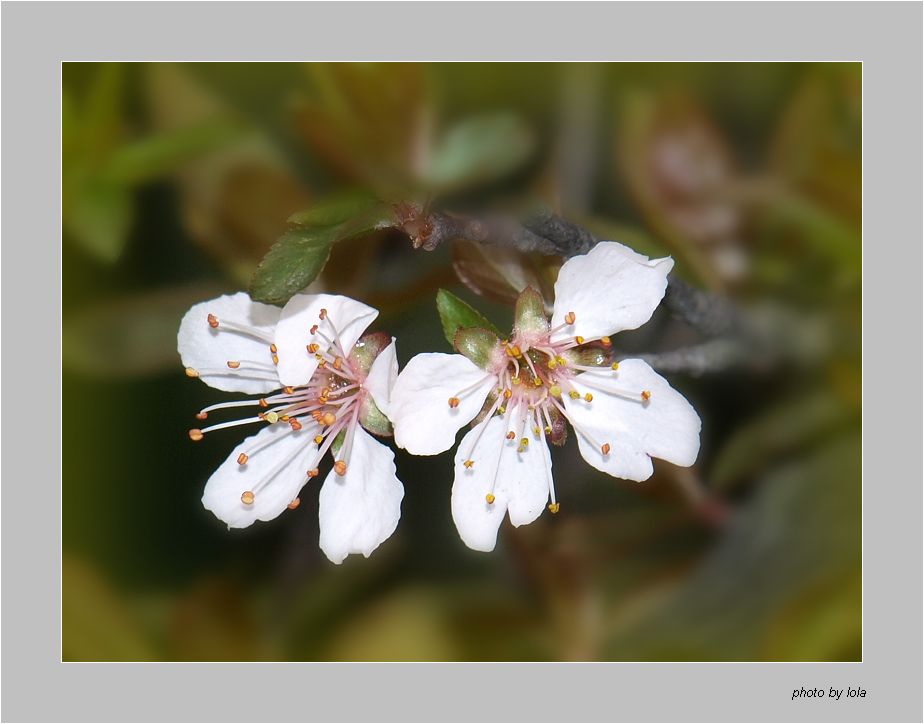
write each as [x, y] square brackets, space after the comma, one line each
[179, 177]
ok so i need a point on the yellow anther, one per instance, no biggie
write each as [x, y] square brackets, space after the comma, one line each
[338, 363]
[242, 459]
[515, 380]
[579, 339]
[284, 418]
[468, 463]
[554, 507]
[489, 498]
[325, 392]
[605, 448]
[233, 364]
[569, 318]
[453, 402]
[574, 394]
[275, 359]
[213, 321]
[552, 364]
[606, 341]
[508, 393]
[524, 443]
[502, 409]
[548, 430]
[294, 504]
[517, 352]
[190, 372]
[615, 365]
[318, 439]
[562, 361]
[328, 419]
[555, 391]
[589, 397]
[511, 435]
[196, 434]
[340, 467]
[646, 395]
[535, 431]
[537, 382]
[271, 417]
[247, 497]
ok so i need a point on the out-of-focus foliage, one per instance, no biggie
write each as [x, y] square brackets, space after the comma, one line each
[178, 180]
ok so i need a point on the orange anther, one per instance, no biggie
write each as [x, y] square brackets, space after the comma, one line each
[340, 467]
[606, 341]
[646, 395]
[508, 393]
[605, 448]
[328, 419]
[453, 402]
[202, 415]
[468, 463]
[294, 504]
[314, 473]
[242, 459]
[295, 424]
[196, 434]
[273, 349]
[247, 497]
[289, 390]
[275, 359]
[338, 363]
[511, 435]
[233, 364]
[213, 321]
[569, 318]
[314, 328]
[264, 403]
[190, 372]
[323, 314]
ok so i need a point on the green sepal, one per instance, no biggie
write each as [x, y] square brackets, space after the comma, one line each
[337, 443]
[367, 348]
[373, 419]
[456, 314]
[478, 344]
[529, 315]
[592, 354]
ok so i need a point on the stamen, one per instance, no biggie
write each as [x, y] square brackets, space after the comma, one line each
[453, 402]
[242, 459]
[579, 339]
[328, 419]
[646, 395]
[202, 415]
[213, 321]
[554, 508]
[489, 498]
[294, 504]
[589, 397]
[570, 318]
[247, 497]
[511, 435]
[340, 467]
[605, 448]
[606, 341]
[195, 435]
[615, 365]
[233, 364]
[313, 473]
[190, 372]
[468, 463]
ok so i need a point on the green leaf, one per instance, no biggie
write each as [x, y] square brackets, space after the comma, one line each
[156, 155]
[479, 149]
[299, 255]
[456, 314]
[336, 210]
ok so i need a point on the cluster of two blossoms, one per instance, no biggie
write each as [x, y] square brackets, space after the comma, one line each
[326, 386]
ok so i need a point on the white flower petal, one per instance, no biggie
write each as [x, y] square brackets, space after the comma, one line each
[477, 520]
[288, 457]
[359, 510]
[382, 376]
[665, 427]
[349, 317]
[525, 477]
[424, 422]
[609, 289]
[202, 347]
